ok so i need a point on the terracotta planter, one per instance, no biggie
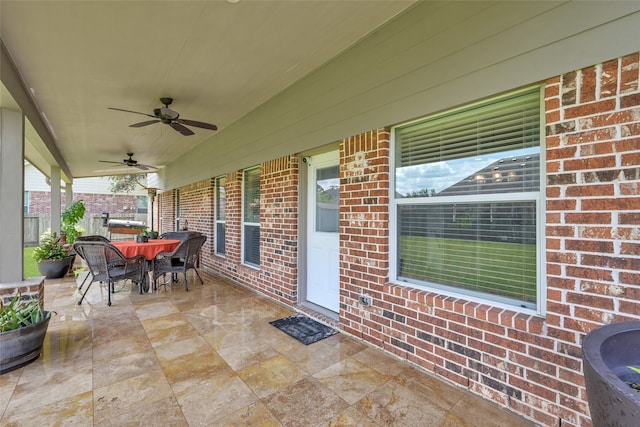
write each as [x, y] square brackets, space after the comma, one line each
[607, 353]
[55, 268]
[23, 345]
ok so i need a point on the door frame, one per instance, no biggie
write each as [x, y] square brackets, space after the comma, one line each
[303, 200]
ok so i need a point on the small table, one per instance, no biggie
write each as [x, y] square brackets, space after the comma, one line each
[149, 250]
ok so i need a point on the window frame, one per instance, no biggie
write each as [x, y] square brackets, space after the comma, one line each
[217, 220]
[245, 223]
[142, 209]
[539, 308]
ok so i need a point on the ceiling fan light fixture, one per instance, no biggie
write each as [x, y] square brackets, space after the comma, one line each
[169, 117]
[169, 113]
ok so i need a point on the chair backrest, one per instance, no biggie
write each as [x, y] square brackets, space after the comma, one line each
[195, 244]
[94, 255]
[181, 250]
[100, 257]
[179, 235]
[95, 238]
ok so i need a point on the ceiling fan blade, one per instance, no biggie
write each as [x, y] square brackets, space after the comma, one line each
[182, 129]
[141, 124]
[197, 124]
[107, 161]
[129, 111]
[146, 167]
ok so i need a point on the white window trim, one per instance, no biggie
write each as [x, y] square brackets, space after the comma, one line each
[248, 264]
[541, 288]
[215, 217]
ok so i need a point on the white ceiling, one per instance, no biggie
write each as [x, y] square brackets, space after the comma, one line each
[219, 60]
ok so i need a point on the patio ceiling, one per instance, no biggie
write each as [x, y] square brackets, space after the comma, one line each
[219, 60]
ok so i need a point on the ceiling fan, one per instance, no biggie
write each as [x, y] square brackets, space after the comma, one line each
[169, 117]
[132, 163]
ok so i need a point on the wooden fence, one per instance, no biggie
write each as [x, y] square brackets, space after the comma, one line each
[36, 224]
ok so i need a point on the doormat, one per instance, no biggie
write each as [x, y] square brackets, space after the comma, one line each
[303, 328]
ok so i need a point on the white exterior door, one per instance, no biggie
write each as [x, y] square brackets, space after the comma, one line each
[323, 238]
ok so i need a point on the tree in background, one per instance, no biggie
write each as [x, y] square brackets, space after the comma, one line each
[127, 183]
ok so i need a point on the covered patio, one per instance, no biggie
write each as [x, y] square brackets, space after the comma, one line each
[210, 357]
[454, 185]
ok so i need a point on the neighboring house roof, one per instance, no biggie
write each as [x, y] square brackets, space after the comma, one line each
[509, 174]
[34, 180]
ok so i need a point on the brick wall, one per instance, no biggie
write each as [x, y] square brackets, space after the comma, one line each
[32, 288]
[528, 363]
[364, 231]
[196, 207]
[166, 211]
[593, 207]
[40, 202]
[277, 276]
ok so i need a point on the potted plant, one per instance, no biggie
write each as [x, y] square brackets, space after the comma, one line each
[71, 216]
[611, 356]
[146, 234]
[53, 259]
[23, 325]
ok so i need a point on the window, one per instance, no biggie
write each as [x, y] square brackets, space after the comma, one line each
[26, 203]
[221, 213]
[142, 204]
[467, 200]
[251, 217]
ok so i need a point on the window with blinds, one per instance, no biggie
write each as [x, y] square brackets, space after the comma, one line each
[251, 217]
[221, 213]
[467, 191]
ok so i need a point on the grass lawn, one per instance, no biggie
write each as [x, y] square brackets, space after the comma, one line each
[30, 265]
[506, 269]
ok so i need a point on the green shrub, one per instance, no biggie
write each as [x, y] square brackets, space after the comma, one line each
[20, 313]
[70, 218]
[50, 248]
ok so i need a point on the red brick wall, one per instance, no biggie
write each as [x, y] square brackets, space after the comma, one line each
[277, 276]
[40, 202]
[166, 211]
[528, 363]
[593, 207]
[364, 230]
[531, 364]
[196, 207]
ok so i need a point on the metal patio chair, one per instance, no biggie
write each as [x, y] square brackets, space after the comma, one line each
[183, 258]
[107, 264]
[94, 238]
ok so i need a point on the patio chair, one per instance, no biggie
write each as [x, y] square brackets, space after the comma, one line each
[182, 236]
[182, 259]
[107, 264]
[179, 235]
[95, 238]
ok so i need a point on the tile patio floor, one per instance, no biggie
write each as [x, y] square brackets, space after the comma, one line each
[209, 357]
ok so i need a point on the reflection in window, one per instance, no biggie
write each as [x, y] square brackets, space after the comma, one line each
[327, 199]
[251, 216]
[221, 212]
[467, 191]
[142, 204]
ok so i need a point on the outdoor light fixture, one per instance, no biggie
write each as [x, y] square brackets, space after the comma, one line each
[152, 192]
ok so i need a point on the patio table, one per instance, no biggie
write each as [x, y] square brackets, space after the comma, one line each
[149, 250]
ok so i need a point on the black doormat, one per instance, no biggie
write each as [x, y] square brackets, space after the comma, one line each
[303, 328]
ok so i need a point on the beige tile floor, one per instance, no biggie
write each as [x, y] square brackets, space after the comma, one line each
[209, 357]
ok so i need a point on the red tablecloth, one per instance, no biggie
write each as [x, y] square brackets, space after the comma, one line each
[150, 249]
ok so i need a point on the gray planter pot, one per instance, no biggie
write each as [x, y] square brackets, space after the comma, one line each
[55, 268]
[23, 345]
[607, 352]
